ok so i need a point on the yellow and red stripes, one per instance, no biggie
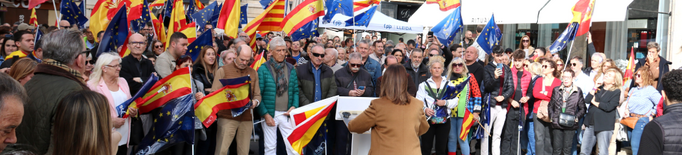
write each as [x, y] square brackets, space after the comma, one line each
[305, 12]
[307, 128]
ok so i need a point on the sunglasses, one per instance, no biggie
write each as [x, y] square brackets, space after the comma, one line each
[318, 55]
[526, 40]
[639, 75]
[432, 55]
[90, 62]
[560, 64]
[525, 65]
[457, 65]
[574, 64]
[356, 65]
[544, 66]
[158, 46]
[65, 27]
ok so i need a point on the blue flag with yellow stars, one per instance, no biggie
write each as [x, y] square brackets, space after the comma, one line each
[203, 17]
[168, 8]
[216, 15]
[265, 3]
[362, 19]
[306, 31]
[566, 36]
[191, 8]
[173, 124]
[344, 7]
[195, 47]
[490, 36]
[116, 33]
[446, 29]
[137, 24]
[72, 13]
[242, 16]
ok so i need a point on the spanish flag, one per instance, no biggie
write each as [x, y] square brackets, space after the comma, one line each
[173, 86]
[259, 60]
[177, 20]
[630, 69]
[199, 5]
[34, 19]
[310, 128]
[190, 30]
[255, 25]
[159, 29]
[468, 120]
[158, 3]
[234, 95]
[444, 5]
[582, 14]
[229, 18]
[102, 13]
[303, 14]
[361, 4]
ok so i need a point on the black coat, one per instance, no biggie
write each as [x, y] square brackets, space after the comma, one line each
[344, 82]
[575, 105]
[131, 68]
[421, 75]
[199, 74]
[492, 84]
[604, 116]
[477, 69]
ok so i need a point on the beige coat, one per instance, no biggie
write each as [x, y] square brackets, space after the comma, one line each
[395, 128]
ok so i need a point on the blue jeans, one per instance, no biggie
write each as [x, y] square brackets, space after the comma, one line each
[590, 138]
[453, 139]
[635, 134]
[531, 136]
[578, 137]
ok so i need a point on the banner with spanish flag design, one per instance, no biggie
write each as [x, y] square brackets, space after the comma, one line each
[310, 131]
[235, 94]
[173, 86]
[303, 14]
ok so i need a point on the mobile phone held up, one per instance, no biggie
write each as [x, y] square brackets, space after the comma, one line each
[499, 66]
[361, 87]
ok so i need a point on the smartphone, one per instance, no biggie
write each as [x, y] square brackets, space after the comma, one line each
[361, 87]
[499, 66]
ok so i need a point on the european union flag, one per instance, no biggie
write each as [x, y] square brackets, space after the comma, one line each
[344, 7]
[446, 29]
[564, 38]
[137, 24]
[39, 34]
[192, 8]
[362, 19]
[265, 3]
[216, 15]
[115, 34]
[168, 8]
[173, 124]
[72, 13]
[123, 107]
[242, 17]
[195, 47]
[202, 17]
[490, 36]
[306, 31]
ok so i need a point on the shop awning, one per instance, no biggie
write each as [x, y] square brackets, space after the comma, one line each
[476, 12]
[380, 22]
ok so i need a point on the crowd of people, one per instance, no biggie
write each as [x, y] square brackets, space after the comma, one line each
[58, 95]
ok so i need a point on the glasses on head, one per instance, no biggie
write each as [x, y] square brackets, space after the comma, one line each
[526, 41]
[457, 65]
[544, 66]
[356, 65]
[318, 55]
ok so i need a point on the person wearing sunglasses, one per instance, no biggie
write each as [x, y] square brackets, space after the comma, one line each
[641, 104]
[542, 93]
[525, 46]
[157, 47]
[64, 24]
[499, 86]
[458, 73]
[316, 79]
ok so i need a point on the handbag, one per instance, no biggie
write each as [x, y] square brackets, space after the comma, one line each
[621, 134]
[566, 120]
[136, 131]
[629, 121]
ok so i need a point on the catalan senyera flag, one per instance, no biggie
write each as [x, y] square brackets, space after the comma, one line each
[235, 94]
[101, 14]
[255, 25]
[34, 19]
[303, 14]
[582, 14]
[274, 17]
[259, 60]
[361, 4]
[630, 69]
[175, 85]
[229, 18]
[177, 20]
[309, 131]
[444, 5]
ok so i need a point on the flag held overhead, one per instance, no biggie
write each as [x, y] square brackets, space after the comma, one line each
[446, 29]
[490, 36]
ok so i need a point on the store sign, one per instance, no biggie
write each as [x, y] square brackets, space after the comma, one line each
[21, 4]
[637, 23]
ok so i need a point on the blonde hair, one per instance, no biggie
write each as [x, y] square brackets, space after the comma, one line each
[601, 68]
[618, 78]
[535, 68]
[83, 121]
[436, 59]
[465, 71]
[22, 68]
[646, 76]
[102, 61]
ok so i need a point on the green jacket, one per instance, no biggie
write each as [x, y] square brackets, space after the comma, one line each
[268, 89]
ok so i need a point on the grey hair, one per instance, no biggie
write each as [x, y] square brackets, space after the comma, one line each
[362, 42]
[339, 49]
[389, 42]
[653, 45]
[354, 56]
[277, 42]
[317, 46]
[237, 40]
[11, 87]
[63, 45]
[102, 60]
[334, 51]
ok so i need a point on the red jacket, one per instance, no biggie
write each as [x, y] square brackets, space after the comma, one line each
[525, 83]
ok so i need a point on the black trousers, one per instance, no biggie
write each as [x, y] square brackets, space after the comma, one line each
[207, 147]
[510, 133]
[543, 139]
[562, 141]
[441, 133]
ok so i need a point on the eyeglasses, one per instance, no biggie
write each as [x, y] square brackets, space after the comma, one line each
[526, 41]
[544, 66]
[457, 65]
[318, 55]
[114, 66]
[356, 65]
[137, 43]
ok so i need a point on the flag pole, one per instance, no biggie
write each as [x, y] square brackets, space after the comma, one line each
[568, 55]
[56, 14]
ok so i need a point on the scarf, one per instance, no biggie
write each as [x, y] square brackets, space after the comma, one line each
[281, 78]
[53, 67]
